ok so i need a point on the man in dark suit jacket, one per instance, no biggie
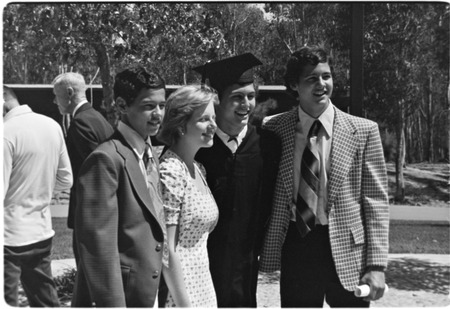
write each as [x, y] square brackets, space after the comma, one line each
[119, 225]
[88, 128]
[347, 244]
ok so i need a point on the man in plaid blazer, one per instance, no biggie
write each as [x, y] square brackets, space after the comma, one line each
[349, 244]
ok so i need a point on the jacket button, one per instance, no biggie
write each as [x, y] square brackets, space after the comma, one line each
[158, 248]
[155, 274]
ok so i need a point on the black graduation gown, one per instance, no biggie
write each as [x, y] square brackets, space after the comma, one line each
[242, 185]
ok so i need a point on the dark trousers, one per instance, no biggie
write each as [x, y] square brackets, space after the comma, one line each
[308, 274]
[31, 265]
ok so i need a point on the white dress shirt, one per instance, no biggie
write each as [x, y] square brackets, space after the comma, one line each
[35, 164]
[324, 138]
[78, 107]
[137, 143]
[232, 144]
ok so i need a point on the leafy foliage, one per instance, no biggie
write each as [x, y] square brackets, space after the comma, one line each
[406, 50]
[407, 84]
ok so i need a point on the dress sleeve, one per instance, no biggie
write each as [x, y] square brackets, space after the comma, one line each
[173, 183]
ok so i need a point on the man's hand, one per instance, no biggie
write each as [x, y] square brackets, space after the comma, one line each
[376, 281]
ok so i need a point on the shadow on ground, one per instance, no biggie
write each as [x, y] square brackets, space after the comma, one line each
[412, 274]
[408, 274]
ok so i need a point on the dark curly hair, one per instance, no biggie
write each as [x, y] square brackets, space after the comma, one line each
[129, 82]
[299, 60]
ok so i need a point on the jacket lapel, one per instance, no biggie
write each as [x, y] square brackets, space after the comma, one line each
[134, 173]
[343, 149]
[289, 124]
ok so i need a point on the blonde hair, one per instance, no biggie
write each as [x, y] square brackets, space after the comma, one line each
[180, 106]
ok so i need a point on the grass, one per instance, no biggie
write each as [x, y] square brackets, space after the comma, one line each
[412, 237]
[62, 241]
[404, 237]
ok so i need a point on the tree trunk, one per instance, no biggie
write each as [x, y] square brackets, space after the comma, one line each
[431, 121]
[103, 62]
[409, 143]
[419, 138]
[400, 160]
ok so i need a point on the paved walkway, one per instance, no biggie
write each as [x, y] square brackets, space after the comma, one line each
[397, 212]
[420, 213]
[415, 280]
[60, 266]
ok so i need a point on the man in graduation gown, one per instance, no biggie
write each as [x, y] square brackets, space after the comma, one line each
[241, 168]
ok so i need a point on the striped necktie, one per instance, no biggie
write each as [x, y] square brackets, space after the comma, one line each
[147, 158]
[308, 190]
[153, 182]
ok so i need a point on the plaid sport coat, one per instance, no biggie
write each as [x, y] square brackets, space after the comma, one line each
[358, 207]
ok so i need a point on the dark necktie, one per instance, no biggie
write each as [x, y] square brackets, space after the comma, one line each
[308, 190]
[146, 157]
[234, 144]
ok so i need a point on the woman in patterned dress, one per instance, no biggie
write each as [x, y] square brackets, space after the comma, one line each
[190, 209]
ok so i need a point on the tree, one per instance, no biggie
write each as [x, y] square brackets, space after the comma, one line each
[406, 51]
[397, 56]
[299, 24]
[82, 36]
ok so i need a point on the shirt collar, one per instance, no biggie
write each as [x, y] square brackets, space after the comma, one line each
[225, 137]
[326, 119]
[136, 142]
[78, 107]
[16, 111]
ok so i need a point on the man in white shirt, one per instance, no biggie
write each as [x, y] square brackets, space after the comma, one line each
[35, 165]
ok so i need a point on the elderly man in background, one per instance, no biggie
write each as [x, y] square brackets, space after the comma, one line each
[88, 128]
[35, 165]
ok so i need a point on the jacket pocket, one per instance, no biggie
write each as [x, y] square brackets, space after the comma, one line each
[358, 234]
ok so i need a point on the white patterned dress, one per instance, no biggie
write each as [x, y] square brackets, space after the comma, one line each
[196, 213]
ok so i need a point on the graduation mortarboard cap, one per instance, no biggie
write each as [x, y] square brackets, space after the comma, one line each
[234, 70]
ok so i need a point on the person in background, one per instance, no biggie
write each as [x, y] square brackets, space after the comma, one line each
[329, 225]
[35, 165]
[88, 128]
[241, 168]
[119, 217]
[191, 212]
